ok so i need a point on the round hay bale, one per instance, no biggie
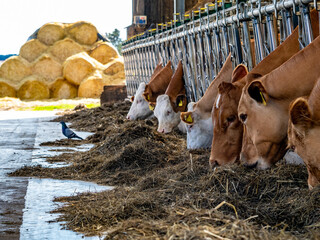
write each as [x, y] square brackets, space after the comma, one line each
[47, 68]
[32, 49]
[33, 89]
[114, 67]
[15, 69]
[92, 87]
[65, 48]
[6, 90]
[62, 89]
[51, 32]
[79, 66]
[83, 32]
[112, 80]
[104, 52]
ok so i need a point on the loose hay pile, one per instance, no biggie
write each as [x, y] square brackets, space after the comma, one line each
[167, 192]
[60, 50]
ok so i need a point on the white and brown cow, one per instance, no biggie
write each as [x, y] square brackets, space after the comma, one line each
[198, 118]
[304, 132]
[140, 108]
[169, 105]
[264, 103]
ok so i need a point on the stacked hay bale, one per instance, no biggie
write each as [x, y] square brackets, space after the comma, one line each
[62, 61]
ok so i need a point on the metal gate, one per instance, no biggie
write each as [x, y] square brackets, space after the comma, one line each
[203, 39]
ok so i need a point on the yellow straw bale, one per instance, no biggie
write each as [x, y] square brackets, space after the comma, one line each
[33, 88]
[79, 66]
[112, 80]
[114, 67]
[104, 52]
[65, 48]
[32, 49]
[47, 68]
[62, 89]
[91, 87]
[6, 90]
[15, 69]
[83, 32]
[51, 32]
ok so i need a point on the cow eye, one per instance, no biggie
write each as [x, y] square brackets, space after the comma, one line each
[168, 112]
[231, 118]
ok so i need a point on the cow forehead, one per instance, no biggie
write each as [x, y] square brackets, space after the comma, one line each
[163, 103]
[190, 106]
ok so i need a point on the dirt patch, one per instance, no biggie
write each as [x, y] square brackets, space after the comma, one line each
[167, 192]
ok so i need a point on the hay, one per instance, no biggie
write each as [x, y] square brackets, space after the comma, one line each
[33, 88]
[168, 192]
[51, 32]
[47, 68]
[104, 52]
[6, 90]
[65, 48]
[32, 49]
[78, 67]
[62, 89]
[15, 69]
[91, 87]
[83, 32]
[114, 66]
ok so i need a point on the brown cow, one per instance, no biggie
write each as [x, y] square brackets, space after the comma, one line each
[139, 108]
[264, 103]
[198, 117]
[158, 84]
[304, 132]
[228, 130]
[231, 139]
[170, 104]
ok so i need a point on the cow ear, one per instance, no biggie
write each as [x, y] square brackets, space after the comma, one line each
[132, 99]
[300, 114]
[258, 93]
[181, 102]
[224, 87]
[239, 72]
[186, 117]
[152, 106]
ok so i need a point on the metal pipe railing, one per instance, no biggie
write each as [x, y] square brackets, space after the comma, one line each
[205, 39]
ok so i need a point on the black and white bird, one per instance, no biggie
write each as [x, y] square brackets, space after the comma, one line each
[68, 132]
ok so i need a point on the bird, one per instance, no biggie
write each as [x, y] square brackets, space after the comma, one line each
[68, 132]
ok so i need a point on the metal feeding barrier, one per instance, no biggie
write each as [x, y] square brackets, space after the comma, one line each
[202, 40]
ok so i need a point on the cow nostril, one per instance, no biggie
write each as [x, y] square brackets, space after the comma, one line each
[243, 117]
[213, 164]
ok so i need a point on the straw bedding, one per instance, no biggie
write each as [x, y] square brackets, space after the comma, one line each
[165, 191]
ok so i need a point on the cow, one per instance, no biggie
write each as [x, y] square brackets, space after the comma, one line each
[304, 132]
[140, 108]
[198, 118]
[158, 85]
[264, 103]
[228, 138]
[169, 105]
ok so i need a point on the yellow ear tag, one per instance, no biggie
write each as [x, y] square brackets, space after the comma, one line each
[180, 103]
[263, 99]
[151, 107]
[148, 97]
[189, 119]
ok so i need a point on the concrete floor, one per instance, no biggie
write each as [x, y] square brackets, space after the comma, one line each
[20, 198]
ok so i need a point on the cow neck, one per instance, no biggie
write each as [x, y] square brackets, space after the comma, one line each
[205, 103]
[176, 84]
[297, 76]
[158, 68]
[161, 81]
[314, 101]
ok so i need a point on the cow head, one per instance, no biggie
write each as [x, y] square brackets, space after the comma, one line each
[266, 120]
[198, 126]
[167, 111]
[304, 134]
[139, 108]
[227, 129]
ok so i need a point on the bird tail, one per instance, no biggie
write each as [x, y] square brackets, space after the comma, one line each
[79, 137]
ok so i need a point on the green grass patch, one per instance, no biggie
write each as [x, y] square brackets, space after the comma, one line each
[58, 107]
